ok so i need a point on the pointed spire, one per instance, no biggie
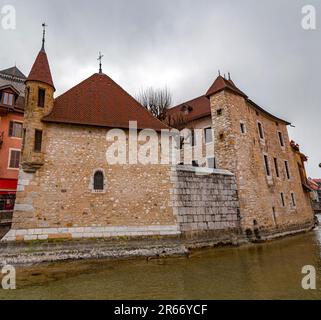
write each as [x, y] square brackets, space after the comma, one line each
[40, 70]
[100, 63]
[43, 36]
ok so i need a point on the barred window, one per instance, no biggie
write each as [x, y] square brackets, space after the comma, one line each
[99, 181]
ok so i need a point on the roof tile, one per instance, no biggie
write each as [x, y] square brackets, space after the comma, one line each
[99, 101]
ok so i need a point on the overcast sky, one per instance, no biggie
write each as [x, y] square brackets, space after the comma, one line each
[181, 44]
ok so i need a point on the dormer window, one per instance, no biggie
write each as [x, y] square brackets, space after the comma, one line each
[186, 109]
[8, 99]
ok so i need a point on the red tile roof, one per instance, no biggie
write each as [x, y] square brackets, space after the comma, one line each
[221, 84]
[99, 101]
[40, 70]
[200, 107]
[193, 109]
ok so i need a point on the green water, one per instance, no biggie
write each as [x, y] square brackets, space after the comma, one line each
[268, 271]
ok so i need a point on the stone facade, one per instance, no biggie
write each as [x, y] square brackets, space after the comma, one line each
[260, 193]
[60, 195]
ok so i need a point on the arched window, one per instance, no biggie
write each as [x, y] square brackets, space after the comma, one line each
[99, 181]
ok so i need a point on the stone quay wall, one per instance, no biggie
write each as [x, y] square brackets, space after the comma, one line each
[205, 201]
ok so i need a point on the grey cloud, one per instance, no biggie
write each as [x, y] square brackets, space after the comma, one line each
[182, 44]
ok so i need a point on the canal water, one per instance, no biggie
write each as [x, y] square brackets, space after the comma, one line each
[267, 271]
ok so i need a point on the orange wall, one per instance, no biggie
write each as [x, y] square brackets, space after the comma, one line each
[14, 143]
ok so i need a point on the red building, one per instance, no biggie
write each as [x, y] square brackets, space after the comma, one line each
[11, 132]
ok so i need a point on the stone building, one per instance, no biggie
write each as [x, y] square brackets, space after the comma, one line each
[249, 184]
[11, 121]
[254, 145]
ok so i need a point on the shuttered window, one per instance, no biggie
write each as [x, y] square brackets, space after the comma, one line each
[14, 159]
[15, 129]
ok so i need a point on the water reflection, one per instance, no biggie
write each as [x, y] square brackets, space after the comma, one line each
[268, 271]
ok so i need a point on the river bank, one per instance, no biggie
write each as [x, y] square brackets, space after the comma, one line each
[262, 271]
[37, 252]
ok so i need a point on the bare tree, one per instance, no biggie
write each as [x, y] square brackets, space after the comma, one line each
[156, 101]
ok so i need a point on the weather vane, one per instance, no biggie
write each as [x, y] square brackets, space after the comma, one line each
[44, 26]
[100, 64]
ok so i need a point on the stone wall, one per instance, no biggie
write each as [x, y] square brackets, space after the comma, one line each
[58, 201]
[243, 154]
[205, 200]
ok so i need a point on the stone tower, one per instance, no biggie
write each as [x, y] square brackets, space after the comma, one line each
[39, 102]
[254, 145]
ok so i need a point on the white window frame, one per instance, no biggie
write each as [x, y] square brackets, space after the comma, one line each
[242, 123]
[16, 121]
[8, 94]
[258, 131]
[9, 159]
[212, 131]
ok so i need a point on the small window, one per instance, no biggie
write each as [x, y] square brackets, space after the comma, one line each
[193, 138]
[41, 98]
[38, 140]
[274, 216]
[219, 112]
[27, 94]
[267, 165]
[211, 163]
[293, 199]
[8, 99]
[14, 160]
[282, 199]
[99, 181]
[276, 166]
[287, 169]
[261, 131]
[208, 135]
[243, 130]
[24, 138]
[181, 143]
[15, 129]
[195, 163]
[281, 139]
